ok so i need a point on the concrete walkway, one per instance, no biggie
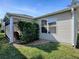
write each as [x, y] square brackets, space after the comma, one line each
[38, 42]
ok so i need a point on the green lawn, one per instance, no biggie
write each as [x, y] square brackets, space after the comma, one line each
[45, 51]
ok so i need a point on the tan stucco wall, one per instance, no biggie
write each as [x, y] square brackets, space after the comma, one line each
[16, 28]
[17, 19]
[63, 28]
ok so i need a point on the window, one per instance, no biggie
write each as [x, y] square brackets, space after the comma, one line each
[52, 26]
[44, 26]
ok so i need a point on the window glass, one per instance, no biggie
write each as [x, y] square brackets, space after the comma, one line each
[44, 26]
[52, 26]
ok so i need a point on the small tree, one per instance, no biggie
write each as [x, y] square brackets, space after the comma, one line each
[30, 31]
[0, 25]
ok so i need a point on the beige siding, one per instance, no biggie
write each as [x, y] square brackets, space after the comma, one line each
[63, 28]
[64, 33]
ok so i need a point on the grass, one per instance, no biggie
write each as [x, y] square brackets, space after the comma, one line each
[45, 51]
[2, 36]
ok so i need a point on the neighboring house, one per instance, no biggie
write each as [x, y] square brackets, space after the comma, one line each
[60, 26]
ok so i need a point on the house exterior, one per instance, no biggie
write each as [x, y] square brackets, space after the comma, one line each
[64, 27]
[10, 24]
[61, 26]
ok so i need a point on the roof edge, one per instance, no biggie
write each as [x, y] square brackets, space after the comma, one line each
[18, 15]
[56, 12]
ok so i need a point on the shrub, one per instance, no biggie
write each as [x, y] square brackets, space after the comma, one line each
[78, 36]
[30, 31]
[36, 31]
[0, 25]
[2, 31]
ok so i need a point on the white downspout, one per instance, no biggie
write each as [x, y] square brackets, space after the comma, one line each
[11, 30]
[74, 27]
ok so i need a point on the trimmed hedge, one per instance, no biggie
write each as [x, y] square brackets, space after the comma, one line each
[30, 31]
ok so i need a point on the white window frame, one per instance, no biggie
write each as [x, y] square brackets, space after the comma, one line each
[48, 25]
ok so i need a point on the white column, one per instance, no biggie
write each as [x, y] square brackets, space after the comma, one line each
[74, 27]
[40, 26]
[11, 30]
[47, 27]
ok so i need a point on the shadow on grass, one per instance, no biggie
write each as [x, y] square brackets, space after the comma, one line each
[77, 46]
[37, 57]
[8, 51]
[48, 47]
[75, 57]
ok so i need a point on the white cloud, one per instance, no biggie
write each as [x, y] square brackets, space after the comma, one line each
[26, 9]
[7, 6]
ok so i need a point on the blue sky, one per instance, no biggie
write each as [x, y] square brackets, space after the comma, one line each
[32, 7]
